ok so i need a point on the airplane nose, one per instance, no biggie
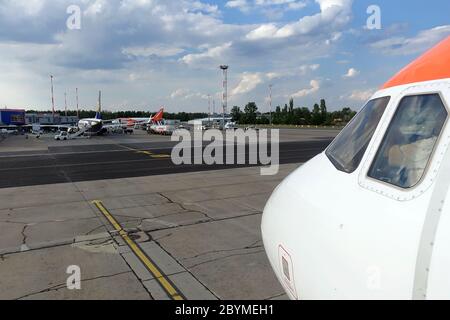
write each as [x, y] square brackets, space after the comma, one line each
[278, 232]
[285, 223]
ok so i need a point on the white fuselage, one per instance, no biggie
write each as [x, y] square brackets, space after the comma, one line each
[92, 126]
[330, 234]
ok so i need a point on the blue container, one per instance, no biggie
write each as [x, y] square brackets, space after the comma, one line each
[12, 117]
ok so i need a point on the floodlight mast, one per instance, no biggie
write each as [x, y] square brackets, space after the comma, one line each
[209, 110]
[270, 102]
[53, 99]
[78, 112]
[224, 69]
[65, 104]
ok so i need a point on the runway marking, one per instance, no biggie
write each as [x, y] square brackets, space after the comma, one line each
[145, 152]
[166, 284]
[160, 156]
[148, 153]
[154, 156]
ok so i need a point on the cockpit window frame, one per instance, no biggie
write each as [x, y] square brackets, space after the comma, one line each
[441, 87]
[333, 161]
[433, 152]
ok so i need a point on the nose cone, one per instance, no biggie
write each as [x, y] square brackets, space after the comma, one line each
[277, 227]
[290, 218]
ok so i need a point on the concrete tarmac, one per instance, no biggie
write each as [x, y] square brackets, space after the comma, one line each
[151, 232]
[201, 229]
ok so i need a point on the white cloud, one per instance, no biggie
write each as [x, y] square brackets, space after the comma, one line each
[297, 5]
[274, 75]
[196, 6]
[96, 8]
[29, 7]
[239, 4]
[362, 95]
[304, 69]
[187, 94]
[334, 14]
[263, 32]
[351, 73]
[158, 50]
[407, 46]
[248, 82]
[179, 93]
[315, 86]
[283, 5]
[290, 4]
[211, 53]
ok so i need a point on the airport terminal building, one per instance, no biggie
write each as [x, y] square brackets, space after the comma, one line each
[19, 117]
[12, 117]
[49, 119]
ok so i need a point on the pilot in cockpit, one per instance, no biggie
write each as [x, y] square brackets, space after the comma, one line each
[409, 142]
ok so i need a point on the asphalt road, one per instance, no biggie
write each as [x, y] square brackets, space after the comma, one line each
[113, 161]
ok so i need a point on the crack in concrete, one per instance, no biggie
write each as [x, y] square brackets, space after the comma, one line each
[275, 296]
[186, 269]
[43, 205]
[134, 272]
[156, 217]
[182, 206]
[114, 234]
[224, 258]
[64, 285]
[12, 222]
[251, 246]
[51, 245]
[167, 225]
[24, 246]
[95, 229]
[209, 221]
[48, 221]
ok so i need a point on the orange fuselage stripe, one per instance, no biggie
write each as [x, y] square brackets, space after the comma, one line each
[433, 65]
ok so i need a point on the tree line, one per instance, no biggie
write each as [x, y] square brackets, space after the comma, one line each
[291, 115]
[286, 115]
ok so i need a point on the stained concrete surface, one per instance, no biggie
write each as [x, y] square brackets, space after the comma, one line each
[202, 229]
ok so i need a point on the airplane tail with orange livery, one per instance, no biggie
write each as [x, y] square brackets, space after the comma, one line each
[157, 117]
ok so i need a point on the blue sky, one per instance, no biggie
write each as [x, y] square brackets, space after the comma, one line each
[148, 53]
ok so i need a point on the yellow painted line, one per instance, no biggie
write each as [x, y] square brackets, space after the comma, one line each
[162, 279]
[136, 150]
[146, 152]
[128, 148]
[160, 156]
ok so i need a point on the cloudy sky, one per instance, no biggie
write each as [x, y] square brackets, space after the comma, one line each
[147, 53]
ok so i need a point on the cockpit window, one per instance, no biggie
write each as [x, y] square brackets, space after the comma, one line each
[347, 150]
[409, 141]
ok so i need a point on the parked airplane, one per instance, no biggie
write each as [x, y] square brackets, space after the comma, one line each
[93, 126]
[164, 127]
[98, 126]
[370, 217]
[143, 122]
